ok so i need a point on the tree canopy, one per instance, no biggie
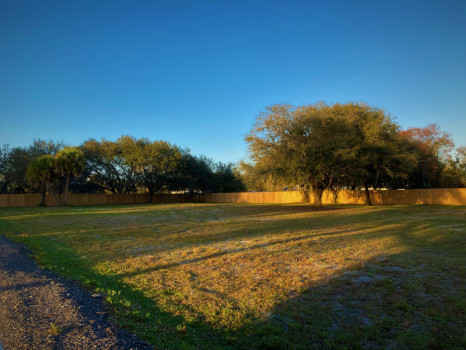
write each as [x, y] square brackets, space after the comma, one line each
[40, 174]
[432, 148]
[322, 146]
[129, 165]
[53, 173]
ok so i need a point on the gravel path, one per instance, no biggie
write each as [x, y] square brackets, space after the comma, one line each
[41, 310]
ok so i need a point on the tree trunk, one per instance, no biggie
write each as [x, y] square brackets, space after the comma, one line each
[317, 194]
[306, 193]
[151, 195]
[368, 195]
[42, 199]
[55, 196]
[65, 191]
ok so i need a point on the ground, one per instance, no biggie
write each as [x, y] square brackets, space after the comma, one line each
[41, 310]
[263, 276]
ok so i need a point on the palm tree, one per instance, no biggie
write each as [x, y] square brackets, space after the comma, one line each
[40, 173]
[70, 162]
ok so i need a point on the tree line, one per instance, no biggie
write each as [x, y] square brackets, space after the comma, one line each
[348, 146]
[312, 148]
[126, 165]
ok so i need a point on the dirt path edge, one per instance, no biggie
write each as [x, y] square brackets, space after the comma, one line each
[42, 310]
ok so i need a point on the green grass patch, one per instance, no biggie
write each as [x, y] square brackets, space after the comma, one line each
[263, 276]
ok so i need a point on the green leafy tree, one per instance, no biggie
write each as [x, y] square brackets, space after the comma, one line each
[16, 167]
[201, 172]
[41, 173]
[69, 162]
[255, 180]
[454, 171]
[300, 145]
[108, 168]
[4, 174]
[226, 178]
[156, 163]
[325, 146]
[376, 154]
[14, 164]
[196, 174]
[53, 173]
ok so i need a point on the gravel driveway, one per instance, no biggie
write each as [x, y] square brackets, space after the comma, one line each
[41, 310]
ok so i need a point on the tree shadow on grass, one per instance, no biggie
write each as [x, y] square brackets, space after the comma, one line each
[407, 300]
[303, 238]
[211, 211]
[186, 235]
[414, 299]
[195, 235]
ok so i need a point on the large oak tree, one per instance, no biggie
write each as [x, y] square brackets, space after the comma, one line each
[324, 146]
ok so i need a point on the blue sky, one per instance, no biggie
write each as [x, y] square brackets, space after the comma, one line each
[196, 73]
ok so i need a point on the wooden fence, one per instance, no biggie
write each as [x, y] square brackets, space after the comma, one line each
[450, 196]
[254, 197]
[30, 200]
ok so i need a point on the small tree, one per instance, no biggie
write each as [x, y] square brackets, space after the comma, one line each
[4, 169]
[14, 163]
[69, 162]
[53, 173]
[40, 173]
[226, 178]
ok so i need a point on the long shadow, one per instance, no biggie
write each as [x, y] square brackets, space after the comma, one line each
[192, 237]
[305, 237]
[242, 230]
[409, 300]
[233, 209]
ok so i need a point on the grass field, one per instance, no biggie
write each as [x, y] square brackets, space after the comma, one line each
[263, 276]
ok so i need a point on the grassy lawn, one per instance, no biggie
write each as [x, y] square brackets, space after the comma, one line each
[263, 276]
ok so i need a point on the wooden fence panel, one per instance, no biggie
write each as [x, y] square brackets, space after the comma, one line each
[457, 196]
[19, 200]
[78, 199]
[254, 197]
[97, 199]
[159, 198]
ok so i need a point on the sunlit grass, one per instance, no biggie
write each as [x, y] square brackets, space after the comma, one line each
[263, 276]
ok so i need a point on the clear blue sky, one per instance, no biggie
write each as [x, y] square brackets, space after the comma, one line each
[196, 73]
